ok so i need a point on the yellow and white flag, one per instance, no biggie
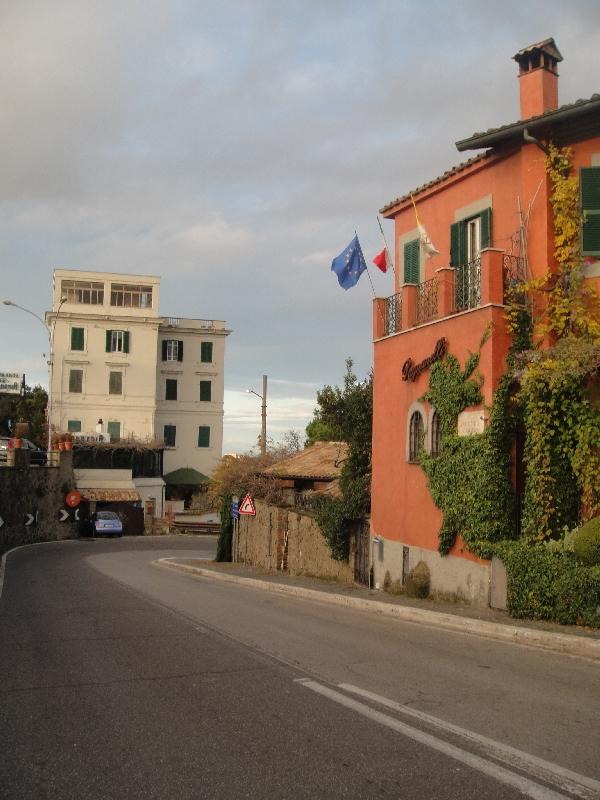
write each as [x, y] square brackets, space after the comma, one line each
[427, 246]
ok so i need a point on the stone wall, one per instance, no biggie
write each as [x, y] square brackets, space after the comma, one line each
[35, 495]
[288, 539]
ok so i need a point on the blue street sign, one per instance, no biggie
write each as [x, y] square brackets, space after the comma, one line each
[235, 509]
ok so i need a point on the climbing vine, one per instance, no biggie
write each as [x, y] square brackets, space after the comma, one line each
[470, 478]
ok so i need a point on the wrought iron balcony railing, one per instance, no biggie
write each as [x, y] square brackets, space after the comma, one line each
[393, 314]
[513, 274]
[427, 301]
[467, 286]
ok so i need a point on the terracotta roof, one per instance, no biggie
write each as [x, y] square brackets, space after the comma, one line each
[110, 495]
[449, 172]
[320, 461]
[495, 135]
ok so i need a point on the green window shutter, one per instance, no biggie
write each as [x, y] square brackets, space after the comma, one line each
[204, 436]
[486, 228]
[108, 340]
[589, 187]
[179, 351]
[206, 352]
[115, 383]
[412, 262]
[74, 426]
[125, 341]
[171, 389]
[114, 430]
[205, 390]
[76, 381]
[169, 435]
[164, 350]
[77, 339]
[456, 244]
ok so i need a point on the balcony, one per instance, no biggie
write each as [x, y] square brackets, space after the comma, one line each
[484, 281]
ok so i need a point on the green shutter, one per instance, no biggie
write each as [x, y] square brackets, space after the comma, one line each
[205, 391]
[171, 389]
[164, 350]
[486, 228]
[456, 244]
[114, 430]
[206, 352]
[77, 339]
[108, 340]
[590, 206]
[170, 433]
[412, 262]
[76, 381]
[179, 350]
[115, 383]
[74, 426]
[125, 341]
[204, 436]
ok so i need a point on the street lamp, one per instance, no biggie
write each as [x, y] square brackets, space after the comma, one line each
[50, 331]
[263, 397]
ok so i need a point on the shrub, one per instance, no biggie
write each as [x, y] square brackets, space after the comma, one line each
[586, 542]
[418, 581]
[555, 586]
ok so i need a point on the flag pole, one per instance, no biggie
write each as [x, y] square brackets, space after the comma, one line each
[366, 265]
[387, 249]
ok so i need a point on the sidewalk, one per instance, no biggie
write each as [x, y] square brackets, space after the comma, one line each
[487, 622]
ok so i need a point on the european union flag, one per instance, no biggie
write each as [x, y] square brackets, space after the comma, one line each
[349, 265]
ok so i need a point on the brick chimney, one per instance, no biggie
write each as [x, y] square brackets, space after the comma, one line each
[538, 78]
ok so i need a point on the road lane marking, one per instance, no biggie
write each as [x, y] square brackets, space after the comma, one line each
[495, 771]
[569, 781]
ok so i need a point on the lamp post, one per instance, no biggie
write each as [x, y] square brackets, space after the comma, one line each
[263, 397]
[50, 332]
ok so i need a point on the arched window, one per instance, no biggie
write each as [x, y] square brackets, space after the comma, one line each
[436, 434]
[415, 436]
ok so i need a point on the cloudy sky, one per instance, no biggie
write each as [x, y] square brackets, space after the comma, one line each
[233, 148]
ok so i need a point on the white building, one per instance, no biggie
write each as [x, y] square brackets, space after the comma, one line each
[145, 376]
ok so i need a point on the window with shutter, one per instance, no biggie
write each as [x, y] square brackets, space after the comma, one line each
[205, 391]
[170, 435]
[172, 350]
[171, 389]
[77, 338]
[76, 381]
[412, 262]
[589, 187]
[114, 430]
[206, 352]
[117, 341]
[115, 383]
[204, 436]
[74, 426]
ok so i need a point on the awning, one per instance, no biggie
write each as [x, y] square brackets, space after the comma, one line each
[110, 495]
[185, 476]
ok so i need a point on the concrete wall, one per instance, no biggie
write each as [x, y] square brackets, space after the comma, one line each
[452, 578]
[279, 538]
[39, 492]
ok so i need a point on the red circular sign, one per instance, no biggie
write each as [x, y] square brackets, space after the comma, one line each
[73, 499]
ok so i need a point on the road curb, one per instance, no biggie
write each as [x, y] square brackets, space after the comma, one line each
[557, 642]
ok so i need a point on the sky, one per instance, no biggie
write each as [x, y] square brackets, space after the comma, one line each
[234, 148]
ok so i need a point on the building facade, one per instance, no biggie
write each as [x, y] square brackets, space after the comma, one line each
[491, 220]
[120, 366]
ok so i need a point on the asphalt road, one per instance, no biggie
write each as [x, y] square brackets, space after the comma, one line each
[119, 679]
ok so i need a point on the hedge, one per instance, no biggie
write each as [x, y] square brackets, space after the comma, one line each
[548, 585]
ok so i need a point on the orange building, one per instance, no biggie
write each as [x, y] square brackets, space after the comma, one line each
[491, 220]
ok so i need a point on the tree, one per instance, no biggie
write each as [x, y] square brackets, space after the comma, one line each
[28, 407]
[345, 415]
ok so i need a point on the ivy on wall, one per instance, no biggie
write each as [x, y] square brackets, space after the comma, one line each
[550, 387]
[470, 478]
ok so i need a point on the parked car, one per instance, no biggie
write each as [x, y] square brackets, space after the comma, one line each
[105, 523]
[36, 454]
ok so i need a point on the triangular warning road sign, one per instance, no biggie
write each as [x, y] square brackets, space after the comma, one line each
[247, 506]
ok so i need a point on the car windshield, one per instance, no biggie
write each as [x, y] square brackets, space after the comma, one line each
[106, 515]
